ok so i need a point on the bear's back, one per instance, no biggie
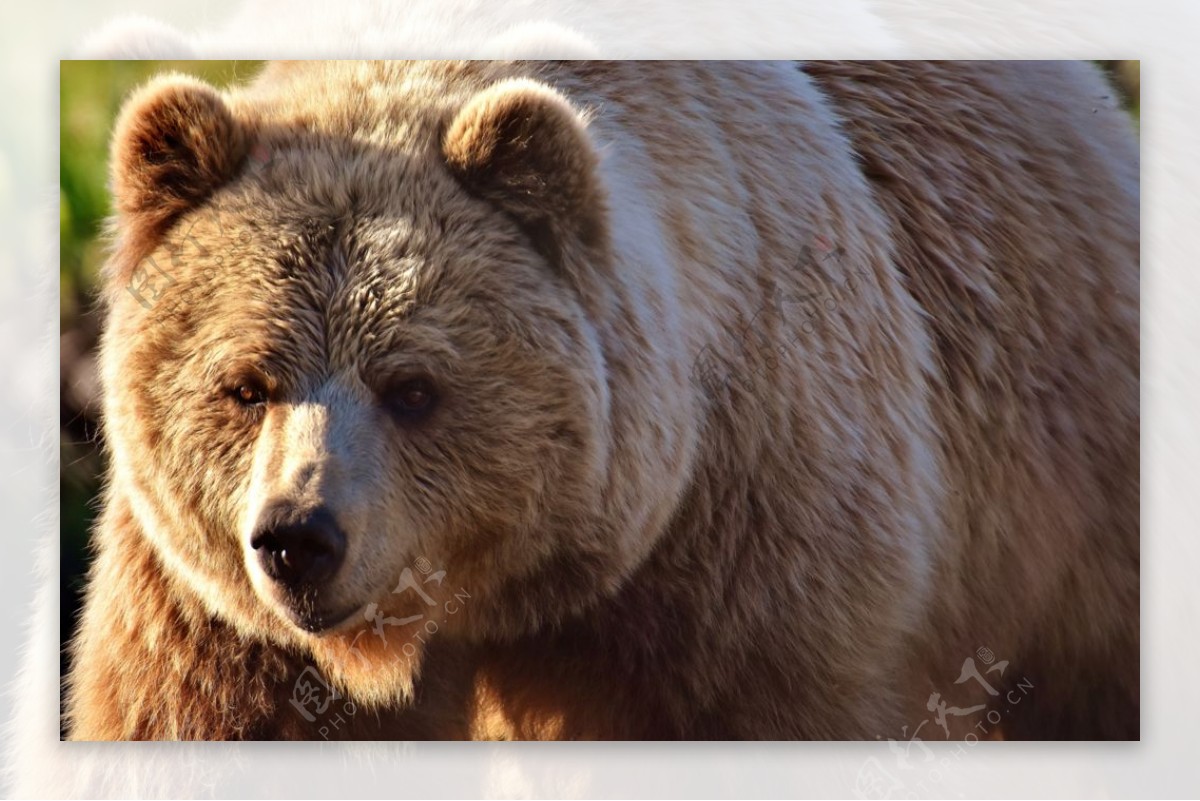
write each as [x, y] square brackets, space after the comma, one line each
[1011, 193]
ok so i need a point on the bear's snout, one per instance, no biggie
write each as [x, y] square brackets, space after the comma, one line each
[299, 551]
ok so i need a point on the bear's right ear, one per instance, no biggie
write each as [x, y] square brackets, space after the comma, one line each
[522, 146]
[175, 142]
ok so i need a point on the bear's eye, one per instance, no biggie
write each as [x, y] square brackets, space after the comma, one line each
[249, 393]
[411, 398]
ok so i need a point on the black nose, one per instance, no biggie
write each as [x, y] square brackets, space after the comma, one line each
[299, 553]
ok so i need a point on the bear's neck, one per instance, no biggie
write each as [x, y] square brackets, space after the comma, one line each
[151, 663]
[649, 662]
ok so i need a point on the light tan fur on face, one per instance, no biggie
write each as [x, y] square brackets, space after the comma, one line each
[947, 459]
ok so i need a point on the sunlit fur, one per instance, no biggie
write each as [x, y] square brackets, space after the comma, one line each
[948, 461]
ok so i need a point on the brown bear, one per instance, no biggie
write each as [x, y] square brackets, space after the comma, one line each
[619, 400]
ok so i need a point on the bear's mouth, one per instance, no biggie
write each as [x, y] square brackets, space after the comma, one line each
[317, 621]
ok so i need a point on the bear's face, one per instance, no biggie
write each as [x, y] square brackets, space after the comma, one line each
[328, 361]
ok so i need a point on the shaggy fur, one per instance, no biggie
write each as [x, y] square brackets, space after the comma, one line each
[767, 394]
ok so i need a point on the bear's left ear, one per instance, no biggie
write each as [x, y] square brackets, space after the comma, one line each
[174, 144]
[522, 146]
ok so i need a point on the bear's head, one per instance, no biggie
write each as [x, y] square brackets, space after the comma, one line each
[362, 385]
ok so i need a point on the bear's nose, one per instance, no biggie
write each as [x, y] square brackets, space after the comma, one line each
[300, 554]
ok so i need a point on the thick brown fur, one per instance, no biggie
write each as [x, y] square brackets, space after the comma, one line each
[767, 395]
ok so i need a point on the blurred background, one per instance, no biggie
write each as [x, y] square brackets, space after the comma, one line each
[91, 93]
